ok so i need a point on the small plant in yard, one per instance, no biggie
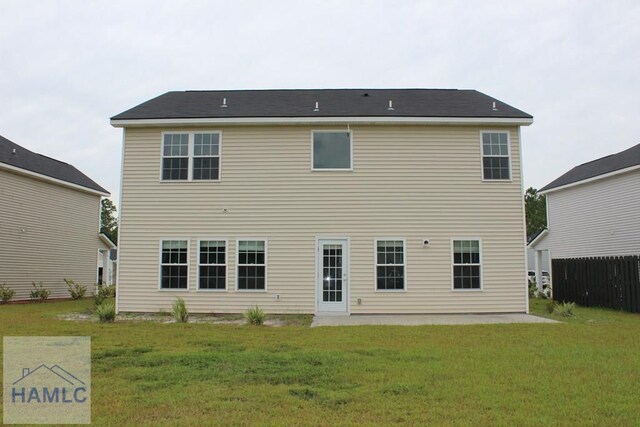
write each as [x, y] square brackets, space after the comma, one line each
[255, 316]
[564, 309]
[76, 290]
[545, 293]
[103, 292]
[6, 294]
[39, 292]
[106, 312]
[180, 312]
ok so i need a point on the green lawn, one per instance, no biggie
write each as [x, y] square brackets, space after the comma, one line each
[582, 372]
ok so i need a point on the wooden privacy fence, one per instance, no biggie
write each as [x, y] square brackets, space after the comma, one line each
[612, 282]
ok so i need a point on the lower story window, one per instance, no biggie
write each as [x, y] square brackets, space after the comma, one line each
[174, 264]
[252, 265]
[466, 264]
[212, 265]
[390, 265]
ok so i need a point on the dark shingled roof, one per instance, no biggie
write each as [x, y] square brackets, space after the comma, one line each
[43, 165]
[622, 160]
[332, 103]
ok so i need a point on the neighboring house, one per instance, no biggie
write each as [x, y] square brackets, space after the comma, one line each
[323, 201]
[49, 222]
[107, 262]
[593, 210]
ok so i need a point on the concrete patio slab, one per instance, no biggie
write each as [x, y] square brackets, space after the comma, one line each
[426, 319]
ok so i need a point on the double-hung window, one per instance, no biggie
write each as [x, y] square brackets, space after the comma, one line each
[191, 156]
[495, 156]
[252, 265]
[331, 150]
[467, 265]
[175, 157]
[174, 264]
[390, 265]
[212, 265]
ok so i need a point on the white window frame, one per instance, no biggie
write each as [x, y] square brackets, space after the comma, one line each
[350, 168]
[160, 264]
[190, 156]
[266, 263]
[453, 265]
[376, 265]
[482, 155]
[226, 265]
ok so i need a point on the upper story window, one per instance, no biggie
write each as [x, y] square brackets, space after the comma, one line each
[495, 156]
[175, 156]
[191, 156]
[331, 150]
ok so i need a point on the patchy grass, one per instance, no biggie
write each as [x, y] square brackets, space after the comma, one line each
[585, 371]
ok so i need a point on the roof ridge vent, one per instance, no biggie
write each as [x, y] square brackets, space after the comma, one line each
[390, 108]
[493, 106]
[317, 108]
[224, 103]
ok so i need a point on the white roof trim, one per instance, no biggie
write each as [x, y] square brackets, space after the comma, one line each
[106, 240]
[325, 120]
[538, 238]
[593, 178]
[53, 180]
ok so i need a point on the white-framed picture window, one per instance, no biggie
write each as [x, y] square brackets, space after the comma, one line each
[496, 160]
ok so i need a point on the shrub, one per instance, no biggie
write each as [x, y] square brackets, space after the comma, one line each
[533, 289]
[103, 292]
[76, 290]
[106, 312]
[564, 309]
[39, 292]
[180, 312]
[6, 294]
[255, 316]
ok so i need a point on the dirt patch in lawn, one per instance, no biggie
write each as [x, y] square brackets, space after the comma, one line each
[214, 319]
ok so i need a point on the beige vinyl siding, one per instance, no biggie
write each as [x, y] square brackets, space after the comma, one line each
[47, 233]
[599, 218]
[411, 182]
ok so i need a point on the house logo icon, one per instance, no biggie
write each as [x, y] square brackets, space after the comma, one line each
[48, 384]
[46, 380]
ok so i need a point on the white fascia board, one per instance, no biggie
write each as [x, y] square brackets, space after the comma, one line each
[52, 180]
[588, 180]
[538, 238]
[107, 241]
[324, 120]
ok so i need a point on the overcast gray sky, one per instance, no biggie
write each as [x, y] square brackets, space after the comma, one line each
[67, 66]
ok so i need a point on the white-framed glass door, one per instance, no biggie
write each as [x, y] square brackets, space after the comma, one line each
[332, 276]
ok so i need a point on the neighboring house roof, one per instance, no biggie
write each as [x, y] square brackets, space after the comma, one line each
[15, 156]
[533, 240]
[446, 103]
[597, 168]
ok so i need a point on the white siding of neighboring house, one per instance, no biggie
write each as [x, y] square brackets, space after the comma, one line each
[597, 218]
[531, 260]
[48, 232]
[411, 182]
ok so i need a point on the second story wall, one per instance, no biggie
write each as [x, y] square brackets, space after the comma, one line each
[599, 218]
[410, 182]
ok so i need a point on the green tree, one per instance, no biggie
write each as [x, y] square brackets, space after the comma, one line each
[535, 207]
[109, 220]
